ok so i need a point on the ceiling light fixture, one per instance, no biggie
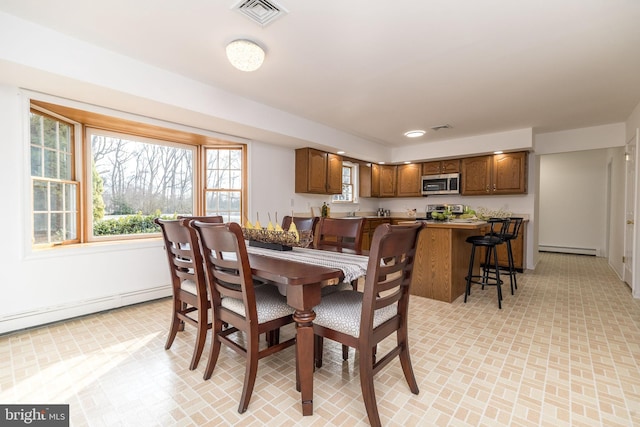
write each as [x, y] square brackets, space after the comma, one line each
[340, 152]
[245, 55]
[414, 133]
[497, 152]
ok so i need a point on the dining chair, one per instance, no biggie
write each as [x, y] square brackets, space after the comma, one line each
[339, 234]
[363, 319]
[215, 219]
[247, 310]
[189, 290]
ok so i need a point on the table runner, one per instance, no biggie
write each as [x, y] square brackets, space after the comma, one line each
[353, 266]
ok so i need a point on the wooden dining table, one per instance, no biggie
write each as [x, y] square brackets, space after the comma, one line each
[303, 282]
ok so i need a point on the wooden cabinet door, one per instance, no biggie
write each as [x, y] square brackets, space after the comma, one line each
[311, 171]
[388, 180]
[334, 174]
[431, 168]
[450, 166]
[375, 180]
[409, 180]
[509, 173]
[476, 175]
[364, 179]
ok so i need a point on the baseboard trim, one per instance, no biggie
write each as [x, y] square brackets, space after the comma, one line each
[45, 315]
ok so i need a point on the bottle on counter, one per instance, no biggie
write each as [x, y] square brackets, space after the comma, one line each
[324, 210]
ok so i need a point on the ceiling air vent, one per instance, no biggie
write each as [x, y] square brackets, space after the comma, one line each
[441, 127]
[261, 11]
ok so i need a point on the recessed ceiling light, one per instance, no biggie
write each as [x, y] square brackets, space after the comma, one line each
[381, 163]
[407, 163]
[414, 133]
[497, 152]
[340, 152]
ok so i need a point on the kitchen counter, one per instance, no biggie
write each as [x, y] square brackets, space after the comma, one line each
[442, 259]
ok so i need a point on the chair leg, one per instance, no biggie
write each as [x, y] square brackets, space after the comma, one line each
[214, 352]
[470, 272]
[368, 391]
[250, 373]
[495, 255]
[201, 337]
[317, 349]
[176, 325]
[345, 352]
[512, 268]
[405, 362]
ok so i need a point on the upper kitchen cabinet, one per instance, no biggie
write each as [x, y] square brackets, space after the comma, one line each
[497, 174]
[409, 180]
[441, 166]
[318, 172]
[383, 180]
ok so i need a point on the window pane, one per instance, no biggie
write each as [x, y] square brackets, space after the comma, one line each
[64, 137]
[57, 227]
[70, 222]
[235, 157]
[36, 161]
[66, 168]
[235, 177]
[139, 180]
[40, 196]
[40, 228]
[36, 129]
[70, 198]
[51, 164]
[50, 133]
[57, 201]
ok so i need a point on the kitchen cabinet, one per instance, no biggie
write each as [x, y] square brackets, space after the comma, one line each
[383, 181]
[318, 172]
[409, 180]
[441, 166]
[497, 174]
[368, 228]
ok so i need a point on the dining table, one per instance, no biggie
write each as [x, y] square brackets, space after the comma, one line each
[304, 277]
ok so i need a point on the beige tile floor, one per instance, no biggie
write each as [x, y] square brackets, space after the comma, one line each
[564, 351]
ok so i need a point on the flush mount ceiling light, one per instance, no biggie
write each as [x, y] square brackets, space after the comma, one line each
[414, 133]
[245, 55]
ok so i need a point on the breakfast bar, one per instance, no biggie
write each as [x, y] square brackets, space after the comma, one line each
[442, 259]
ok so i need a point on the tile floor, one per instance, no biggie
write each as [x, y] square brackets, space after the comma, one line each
[564, 351]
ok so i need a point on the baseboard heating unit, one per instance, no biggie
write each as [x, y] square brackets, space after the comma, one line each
[568, 250]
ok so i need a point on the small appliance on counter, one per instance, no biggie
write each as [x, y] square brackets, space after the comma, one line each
[441, 208]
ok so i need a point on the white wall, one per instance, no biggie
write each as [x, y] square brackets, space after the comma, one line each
[573, 200]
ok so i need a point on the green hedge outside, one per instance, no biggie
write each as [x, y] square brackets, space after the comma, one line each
[130, 224]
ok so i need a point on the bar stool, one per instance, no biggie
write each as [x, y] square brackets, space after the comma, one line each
[489, 241]
[511, 232]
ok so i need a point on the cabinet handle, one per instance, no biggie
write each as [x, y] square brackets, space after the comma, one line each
[494, 187]
[630, 222]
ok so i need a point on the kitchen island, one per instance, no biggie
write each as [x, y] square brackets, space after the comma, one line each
[442, 259]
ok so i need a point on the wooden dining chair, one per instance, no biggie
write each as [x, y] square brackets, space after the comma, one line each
[214, 219]
[339, 234]
[302, 223]
[363, 319]
[244, 308]
[190, 300]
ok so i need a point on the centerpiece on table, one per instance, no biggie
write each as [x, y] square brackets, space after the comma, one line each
[275, 237]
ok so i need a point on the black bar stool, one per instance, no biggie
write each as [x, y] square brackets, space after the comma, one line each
[489, 241]
[511, 232]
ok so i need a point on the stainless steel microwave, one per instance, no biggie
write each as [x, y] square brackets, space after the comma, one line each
[441, 184]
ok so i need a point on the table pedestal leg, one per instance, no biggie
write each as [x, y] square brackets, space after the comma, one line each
[304, 357]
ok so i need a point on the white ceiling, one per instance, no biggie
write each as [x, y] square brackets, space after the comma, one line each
[379, 68]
